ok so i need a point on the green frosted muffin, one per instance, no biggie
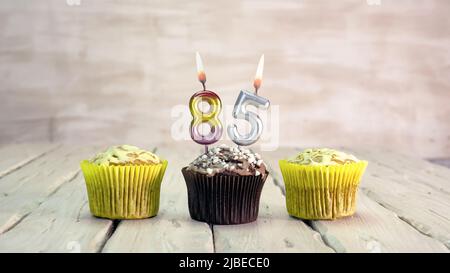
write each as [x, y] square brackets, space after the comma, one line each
[124, 182]
[322, 183]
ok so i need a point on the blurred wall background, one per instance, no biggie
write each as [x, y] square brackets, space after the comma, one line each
[360, 73]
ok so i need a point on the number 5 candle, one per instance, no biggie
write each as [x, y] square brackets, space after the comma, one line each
[210, 117]
[240, 111]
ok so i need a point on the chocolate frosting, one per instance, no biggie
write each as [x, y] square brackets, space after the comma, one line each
[230, 161]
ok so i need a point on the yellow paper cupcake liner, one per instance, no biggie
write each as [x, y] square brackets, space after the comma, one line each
[321, 192]
[123, 192]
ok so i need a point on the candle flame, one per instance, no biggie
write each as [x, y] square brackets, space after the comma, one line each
[200, 70]
[259, 74]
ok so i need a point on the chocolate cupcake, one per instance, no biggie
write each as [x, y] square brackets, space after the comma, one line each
[224, 185]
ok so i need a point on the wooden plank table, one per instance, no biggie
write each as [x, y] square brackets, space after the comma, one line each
[403, 206]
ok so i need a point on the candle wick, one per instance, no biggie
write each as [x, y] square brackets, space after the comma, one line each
[204, 87]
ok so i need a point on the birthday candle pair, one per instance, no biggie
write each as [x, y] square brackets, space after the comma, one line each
[240, 111]
[224, 183]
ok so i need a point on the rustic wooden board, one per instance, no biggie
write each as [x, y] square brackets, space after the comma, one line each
[23, 191]
[62, 223]
[16, 156]
[410, 170]
[172, 230]
[273, 231]
[375, 229]
[410, 188]
[425, 208]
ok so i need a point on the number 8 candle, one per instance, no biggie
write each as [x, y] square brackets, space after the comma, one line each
[210, 117]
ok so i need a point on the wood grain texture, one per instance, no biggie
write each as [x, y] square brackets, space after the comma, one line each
[422, 206]
[62, 223]
[412, 169]
[18, 155]
[23, 191]
[172, 230]
[375, 229]
[273, 231]
[416, 190]
[376, 77]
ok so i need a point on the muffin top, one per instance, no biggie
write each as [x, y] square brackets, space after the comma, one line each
[324, 157]
[229, 161]
[125, 155]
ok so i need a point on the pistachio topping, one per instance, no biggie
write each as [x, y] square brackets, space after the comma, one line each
[323, 156]
[124, 155]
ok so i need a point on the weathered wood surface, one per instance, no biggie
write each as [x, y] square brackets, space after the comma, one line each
[16, 156]
[412, 170]
[403, 206]
[62, 223]
[375, 229]
[416, 190]
[23, 191]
